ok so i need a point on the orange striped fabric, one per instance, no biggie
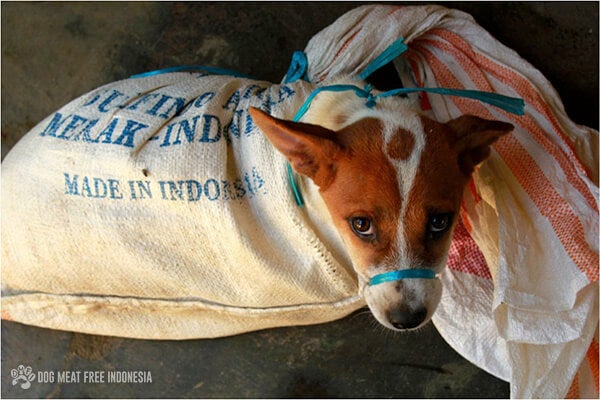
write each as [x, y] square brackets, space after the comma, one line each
[566, 224]
[347, 42]
[434, 49]
[464, 254]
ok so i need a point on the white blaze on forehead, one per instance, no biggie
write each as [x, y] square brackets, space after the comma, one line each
[406, 170]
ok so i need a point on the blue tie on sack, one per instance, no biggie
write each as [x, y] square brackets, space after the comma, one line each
[183, 68]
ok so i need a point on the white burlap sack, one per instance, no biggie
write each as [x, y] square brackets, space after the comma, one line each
[117, 208]
[154, 208]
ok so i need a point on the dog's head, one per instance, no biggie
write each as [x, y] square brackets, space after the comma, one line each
[393, 181]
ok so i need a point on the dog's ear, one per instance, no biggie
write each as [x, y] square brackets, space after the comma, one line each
[473, 136]
[309, 148]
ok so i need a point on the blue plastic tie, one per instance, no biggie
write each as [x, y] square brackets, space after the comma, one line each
[394, 50]
[364, 93]
[298, 68]
[402, 274]
[210, 70]
[513, 105]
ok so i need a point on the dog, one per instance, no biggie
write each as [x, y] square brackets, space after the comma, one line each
[392, 180]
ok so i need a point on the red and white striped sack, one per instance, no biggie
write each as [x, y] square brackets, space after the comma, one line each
[521, 288]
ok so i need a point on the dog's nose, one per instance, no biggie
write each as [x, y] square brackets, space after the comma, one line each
[403, 318]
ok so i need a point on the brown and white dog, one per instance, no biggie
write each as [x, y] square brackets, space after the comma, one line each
[392, 180]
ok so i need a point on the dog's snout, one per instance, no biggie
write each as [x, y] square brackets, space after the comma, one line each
[404, 318]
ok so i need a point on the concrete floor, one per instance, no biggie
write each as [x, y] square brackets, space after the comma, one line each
[53, 52]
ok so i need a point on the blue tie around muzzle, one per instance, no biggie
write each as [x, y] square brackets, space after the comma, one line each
[402, 274]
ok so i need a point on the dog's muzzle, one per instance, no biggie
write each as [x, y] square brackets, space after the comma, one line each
[402, 274]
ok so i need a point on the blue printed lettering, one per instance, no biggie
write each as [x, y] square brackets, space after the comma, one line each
[200, 101]
[189, 190]
[85, 131]
[254, 182]
[194, 190]
[189, 131]
[86, 191]
[94, 187]
[93, 100]
[71, 186]
[203, 99]
[249, 125]
[128, 133]
[233, 128]
[113, 186]
[177, 102]
[97, 189]
[107, 132]
[248, 92]
[208, 125]
[142, 100]
[285, 92]
[165, 107]
[227, 193]
[216, 191]
[266, 102]
[179, 105]
[166, 140]
[233, 190]
[239, 188]
[144, 189]
[139, 190]
[234, 100]
[236, 125]
[98, 193]
[174, 190]
[76, 122]
[54, 125]
[76, 126]
[103, 107]
[161, 102]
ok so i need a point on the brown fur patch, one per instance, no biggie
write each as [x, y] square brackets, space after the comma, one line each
[401, 145]
[365, 184]
[341, 119]
[437, 188]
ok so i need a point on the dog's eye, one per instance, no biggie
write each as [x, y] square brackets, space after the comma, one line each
[439, 223]
[362, 226]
